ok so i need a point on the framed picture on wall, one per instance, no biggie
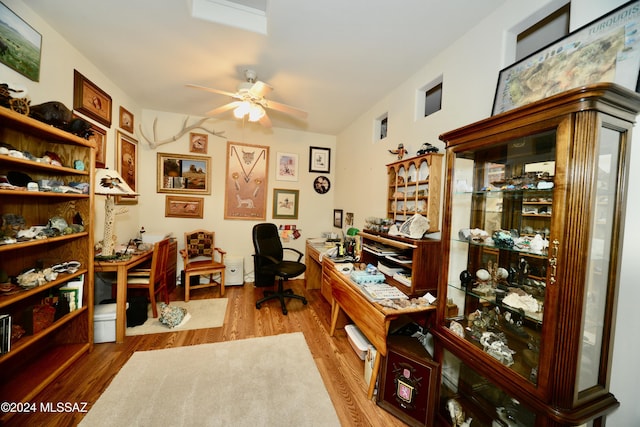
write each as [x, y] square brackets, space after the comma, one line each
[198, 142]
[286, 167]
[605, 50]
[337, 218]
[99, 137]
[90, 100]
[127, 164]
[183, 173]
[285, 203]
[246, 181]
[319, 159]
[21, 45]
[184, 207]
[126, 120]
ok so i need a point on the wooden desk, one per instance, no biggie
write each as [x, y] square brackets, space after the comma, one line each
[370, 317]
[121, 268]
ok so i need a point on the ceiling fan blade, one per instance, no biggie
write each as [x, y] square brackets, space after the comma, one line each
[222, 109]
[208, 89]
[260, 89]
[265, 121]
[286, 109]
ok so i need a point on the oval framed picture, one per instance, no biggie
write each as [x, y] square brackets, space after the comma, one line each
[321, 184]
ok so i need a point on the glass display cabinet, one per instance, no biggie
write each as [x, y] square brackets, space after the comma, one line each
[534, 206]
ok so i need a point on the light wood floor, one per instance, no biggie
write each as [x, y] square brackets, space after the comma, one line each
[341, 369]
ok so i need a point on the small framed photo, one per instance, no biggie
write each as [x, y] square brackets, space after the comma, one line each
[319, 159]
[182, 173]
[90, 100]
[198, 142]
[126, 120]
[286, 167]
[184, 207]
[337, 218]
[285, 203]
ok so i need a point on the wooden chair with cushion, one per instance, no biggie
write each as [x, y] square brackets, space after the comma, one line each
[199, 258]
[153, 279]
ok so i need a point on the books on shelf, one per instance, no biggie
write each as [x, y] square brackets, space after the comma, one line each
[388, 270]
[72, 290]
[403, 277]
[379, 249]
[399, 258]
[5, 333]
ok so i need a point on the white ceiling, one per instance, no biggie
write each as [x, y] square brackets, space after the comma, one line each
[332, 58]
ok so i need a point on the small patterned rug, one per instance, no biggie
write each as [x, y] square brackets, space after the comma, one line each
[201, 314]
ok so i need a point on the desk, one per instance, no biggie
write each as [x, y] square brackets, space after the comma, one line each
[121, 268]
[371, 318]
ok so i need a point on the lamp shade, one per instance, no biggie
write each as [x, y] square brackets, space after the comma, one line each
[109, 181]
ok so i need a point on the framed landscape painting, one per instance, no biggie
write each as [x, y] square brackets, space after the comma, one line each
[20, 44]
[182, 173]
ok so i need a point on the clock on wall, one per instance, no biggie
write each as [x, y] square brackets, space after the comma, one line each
[321, 184]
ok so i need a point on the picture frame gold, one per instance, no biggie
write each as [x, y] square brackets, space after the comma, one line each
[198, 142]
[184, 207]
[126, 120]
[285, 203]
[183, 173]
[127, 165]
[90, 100]
[246, 181]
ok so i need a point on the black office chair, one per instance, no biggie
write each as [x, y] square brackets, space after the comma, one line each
[269, 261]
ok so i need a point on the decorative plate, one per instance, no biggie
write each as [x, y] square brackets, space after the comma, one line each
[321, 184]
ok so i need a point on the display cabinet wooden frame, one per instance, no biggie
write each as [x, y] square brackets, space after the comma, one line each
[36, 359]
[556, 168]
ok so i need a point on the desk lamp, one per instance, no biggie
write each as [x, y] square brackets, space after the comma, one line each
[109, 183]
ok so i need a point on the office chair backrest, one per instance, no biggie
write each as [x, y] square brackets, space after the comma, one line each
[266, 240]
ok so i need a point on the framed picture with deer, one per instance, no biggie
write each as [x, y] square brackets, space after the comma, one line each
[246, 181]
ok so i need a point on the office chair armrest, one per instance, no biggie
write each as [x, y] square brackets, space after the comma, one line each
[300, 254]
[267, 257]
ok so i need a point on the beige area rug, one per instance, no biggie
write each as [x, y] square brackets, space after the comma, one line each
[203, 313]
[266, 381]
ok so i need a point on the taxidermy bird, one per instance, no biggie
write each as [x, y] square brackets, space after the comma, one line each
[400, 151]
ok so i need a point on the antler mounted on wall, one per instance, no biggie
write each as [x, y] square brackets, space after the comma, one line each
[197, 125]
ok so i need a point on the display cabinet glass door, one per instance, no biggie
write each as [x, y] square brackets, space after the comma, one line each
[501, 218]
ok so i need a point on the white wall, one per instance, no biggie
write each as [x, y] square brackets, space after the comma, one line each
[470, 69]
[315, 212]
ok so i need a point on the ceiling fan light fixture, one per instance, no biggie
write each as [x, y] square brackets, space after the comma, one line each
[256, 112]
[242, 110]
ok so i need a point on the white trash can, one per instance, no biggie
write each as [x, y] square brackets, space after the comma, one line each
[234, 272]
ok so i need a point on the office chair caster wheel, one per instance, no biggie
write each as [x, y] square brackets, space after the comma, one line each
[304, 301]
[258, 305]
[284, 311]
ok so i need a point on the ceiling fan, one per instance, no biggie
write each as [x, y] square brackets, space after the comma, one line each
[251, 102]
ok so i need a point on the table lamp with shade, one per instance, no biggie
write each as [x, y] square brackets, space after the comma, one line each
[109, 183]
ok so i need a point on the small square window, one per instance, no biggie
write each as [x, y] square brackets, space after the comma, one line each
[433, 99]
[381, 127]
